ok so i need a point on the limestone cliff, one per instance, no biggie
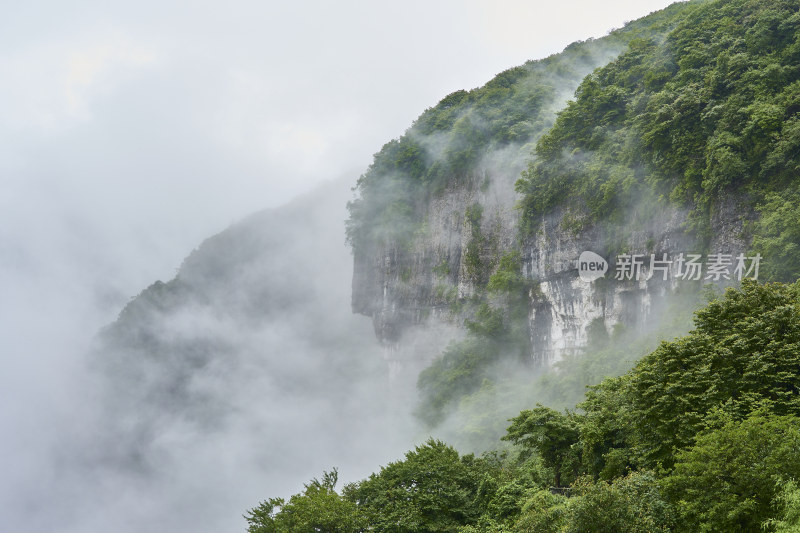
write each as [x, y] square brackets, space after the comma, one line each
[438, 209]
[411, 290]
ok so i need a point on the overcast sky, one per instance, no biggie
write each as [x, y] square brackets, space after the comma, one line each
[142, 127]
[130, 131]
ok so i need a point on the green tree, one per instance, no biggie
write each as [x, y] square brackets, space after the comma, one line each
[727, 480]
[744, 352]
[551, 434]
[632, 504]
[542, 512]
[787, 505]
[318, 509]
[432, 490]
[605, 430]
[777, 236]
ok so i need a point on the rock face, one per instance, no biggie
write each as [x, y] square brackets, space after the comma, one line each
[412, 294]
[565, 306]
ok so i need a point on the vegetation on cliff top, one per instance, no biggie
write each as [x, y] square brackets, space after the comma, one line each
[710, 110]
[471, 133]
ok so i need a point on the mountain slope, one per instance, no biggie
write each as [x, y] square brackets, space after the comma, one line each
[687, 124]
[435, 211]
[681, 147]
[244, 373]
[684, 144]
[680, 443]
[708, 112]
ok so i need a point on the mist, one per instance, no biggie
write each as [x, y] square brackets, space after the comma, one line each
[237, 380]
[132, 133]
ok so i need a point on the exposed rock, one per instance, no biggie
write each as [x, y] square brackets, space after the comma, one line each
[412, 292]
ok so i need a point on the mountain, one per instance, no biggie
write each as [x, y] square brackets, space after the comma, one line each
[439, 242]
[496, 251]
[676, 149]
[241, 375]
[562, 246]
[436, 211]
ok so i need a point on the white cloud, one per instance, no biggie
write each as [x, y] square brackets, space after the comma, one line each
[50, 86]
[537, 28]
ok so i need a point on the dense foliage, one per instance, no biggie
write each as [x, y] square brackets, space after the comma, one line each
[701, 435]
[709, 110]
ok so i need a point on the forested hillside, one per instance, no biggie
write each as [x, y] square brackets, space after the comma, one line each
[436, 237]
[698, 113]
[709, 111]
[701, 435]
